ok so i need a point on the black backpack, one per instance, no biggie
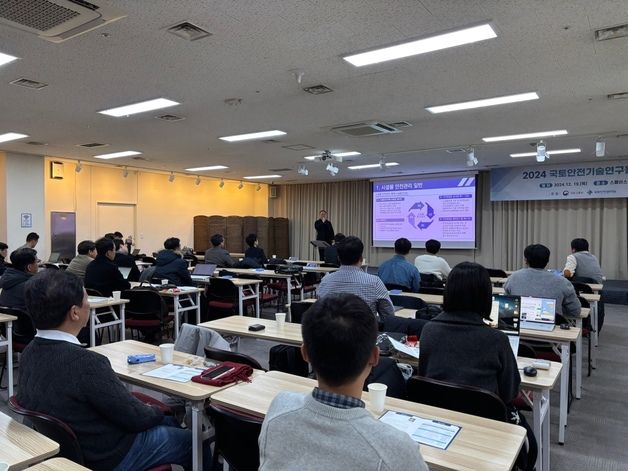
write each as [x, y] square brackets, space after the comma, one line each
[288, 359]
[388, 373]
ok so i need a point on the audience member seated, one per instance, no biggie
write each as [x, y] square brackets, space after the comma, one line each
[339, 334]
[331, 252]
[430, 263]
[254, 252]
[170, 264]
[459, 347]
[4, 249]
[582, 264]
[123, 259]
[60, 378]
[24, 265]
[31, 241]
[102, 274]
[217, 254]
[537, 282]
[398, 270]
[86, 253]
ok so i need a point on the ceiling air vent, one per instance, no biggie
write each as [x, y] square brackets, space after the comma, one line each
[270, 141]
[371, 128]
[400, 124]
[92, 145]
[456, 150]
[617, 96]
[27, 83]
[279, 169]
[188, 31]
[613, 32]
[57, 20]
[170, 117]
[298, 147]
[36, 143]
[319, 89]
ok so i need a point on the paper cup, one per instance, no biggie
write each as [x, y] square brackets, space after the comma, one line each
[116, 295]
[167, 352]
[280, 317]
[164, 281]
[4, 466]
[377, 396]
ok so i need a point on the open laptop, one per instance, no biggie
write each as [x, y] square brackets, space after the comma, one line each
[125, 271]
[54, 257]
[203, 271]
[135, 252]
[505, 316]
[538, 313]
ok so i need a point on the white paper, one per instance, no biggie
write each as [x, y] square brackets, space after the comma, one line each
[424, 431]
[178, 373]
[96, 299]
[400, 347]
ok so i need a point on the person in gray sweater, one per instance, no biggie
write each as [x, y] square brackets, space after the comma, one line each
[582, 264]
[86, 253]
[330, 427]
[537, 282]
[218, 254]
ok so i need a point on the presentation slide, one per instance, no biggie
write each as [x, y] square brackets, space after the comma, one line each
[422, 209]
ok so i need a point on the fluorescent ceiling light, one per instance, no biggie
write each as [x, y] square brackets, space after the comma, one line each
[150, 105]
[261, 177]
[549, 152]
[6, 58]
[421, 46]
[530, 135]
[116, 155]
[335, 154]
[252, 135]
[11, 136]
[361, 167]
[500, 100]
[211, 167]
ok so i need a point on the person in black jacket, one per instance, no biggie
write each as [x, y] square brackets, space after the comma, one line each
[170, 265]
[122, 259]
[254, 252]
[324, 231]
[102, 274]
[4, 248]
[24, 261]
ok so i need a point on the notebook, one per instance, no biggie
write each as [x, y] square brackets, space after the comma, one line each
[505, 316]
[203, 271]
[538, 313]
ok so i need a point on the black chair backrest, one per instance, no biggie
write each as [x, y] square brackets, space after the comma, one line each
[23, 329]
[93, 292]
[54, 429]
[297, 310]
[496, 273]
[429, 280]
[584, 302]
[407, 302]
[581, 288]
[221, 288]
[236, 438]
[431, 290]
[148, 259]
[50, 266]
[329, 265]
[145, 303]
[225, 355]
[310, 278]
[466, 399]
[391, 286]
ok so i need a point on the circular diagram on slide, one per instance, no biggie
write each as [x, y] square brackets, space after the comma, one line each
[421, 215]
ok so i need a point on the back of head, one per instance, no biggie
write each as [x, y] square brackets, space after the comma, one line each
[468, 289]
[3, 246]
[250, 240]
[537, 255]
[172, 243]
[118, 235]
[109, 235]
[21, 258]
[402, 246]
[85, 247]
[339, 333]
[339, 238]
[580, 245]
[117, 243]
[49, 295]
[32, 236]
[432, 246]
[217, 239]
[350, 250]
[104, 245]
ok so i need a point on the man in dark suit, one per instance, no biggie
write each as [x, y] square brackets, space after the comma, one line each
[324, 231]
[102, 274]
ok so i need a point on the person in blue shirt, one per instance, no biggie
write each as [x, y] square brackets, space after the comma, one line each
[398, 270]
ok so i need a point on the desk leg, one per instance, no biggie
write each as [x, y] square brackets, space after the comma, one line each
[197, 435]
[537, 426]
[240, 296]
[289, 295]
[10, 356]
[594, 333]
[122, 323]
[92, 327]
[546, 432]
[176, 316]
[198, 308]
[579, 355]
[257, 300]
[564, 391]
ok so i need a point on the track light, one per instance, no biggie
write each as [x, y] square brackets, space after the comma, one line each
[171, 177]
[240, 186]
[471, 159]
[332, 169]
[222, 183]
[198, 181]
[259, 187]
[540, 152]
[78, 167]
[600, 147]
[302, 170]
[125, 171]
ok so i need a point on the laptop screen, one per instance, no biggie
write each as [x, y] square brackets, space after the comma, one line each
[54, 257]
[135, 252]
[204, 269]
[505, 313]
[125, 271]
[538, 310]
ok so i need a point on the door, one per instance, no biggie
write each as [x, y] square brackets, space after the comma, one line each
[112, 217]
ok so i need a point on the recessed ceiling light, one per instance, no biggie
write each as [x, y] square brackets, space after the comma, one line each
[116, 155]
[361, 167]
[261, 177]
[211, 167]
[150, 105]
[549, 152]
[467, 105]
[421, 46]
[335, 154]
[252, 135]
[514, 137]
[11, 136]
[6, 58]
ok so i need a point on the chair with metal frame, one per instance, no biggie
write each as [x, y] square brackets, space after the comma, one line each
[22, 333]
[235, 357]
[146, 312]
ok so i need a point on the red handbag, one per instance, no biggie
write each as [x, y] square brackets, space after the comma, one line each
[227, 373]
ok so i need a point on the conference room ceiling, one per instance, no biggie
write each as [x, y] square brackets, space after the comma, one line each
[256, 45]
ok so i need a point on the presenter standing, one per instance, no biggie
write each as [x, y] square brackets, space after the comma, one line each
[324, 231]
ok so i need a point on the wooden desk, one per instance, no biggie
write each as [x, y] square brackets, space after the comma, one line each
[96, 302]
[481, 444]
[58, 464]
[8, 320]
[268, 274]
[428, 298]
[21, 446]
[290, 334]
[196, 393]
